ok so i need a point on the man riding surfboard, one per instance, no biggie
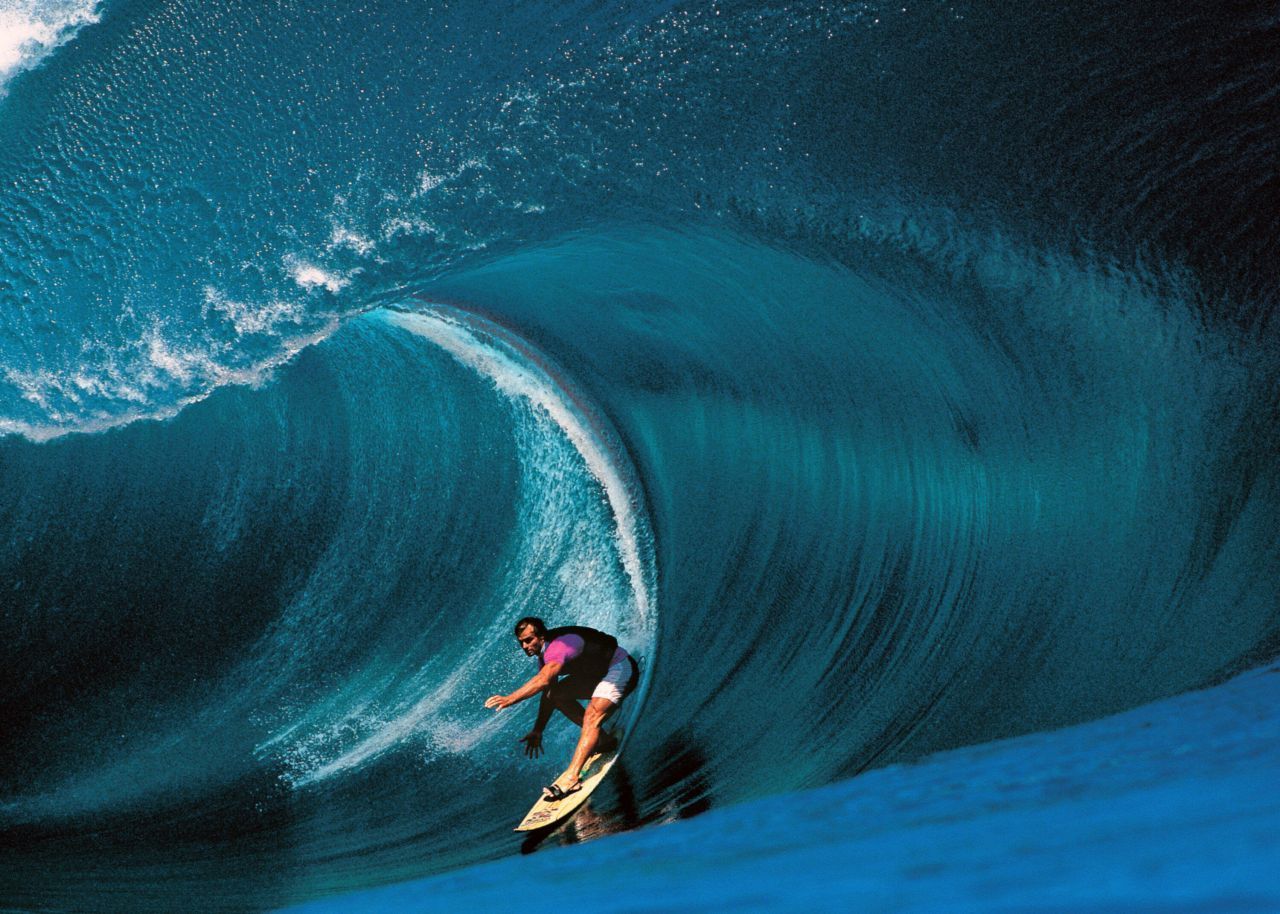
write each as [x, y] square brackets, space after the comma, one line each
[574, 663]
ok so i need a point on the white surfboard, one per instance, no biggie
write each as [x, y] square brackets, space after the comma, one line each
[548, 812]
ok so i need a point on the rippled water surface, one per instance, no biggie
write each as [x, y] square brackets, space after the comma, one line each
[889, 378]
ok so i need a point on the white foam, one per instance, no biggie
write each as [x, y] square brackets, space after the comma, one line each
[164, 364]
[35, 386]
[429, 180]
[30, 30]
[184, 365]
[447, 737]
[520, 379]
[408, 225]
[308, 276]
[248, 317]
[343, 237]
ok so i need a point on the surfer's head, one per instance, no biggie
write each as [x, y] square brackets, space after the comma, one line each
[531, 633]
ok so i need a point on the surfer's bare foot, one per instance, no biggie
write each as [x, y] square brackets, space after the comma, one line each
[569, 781]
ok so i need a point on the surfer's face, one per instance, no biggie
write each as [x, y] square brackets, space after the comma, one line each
[530, 641]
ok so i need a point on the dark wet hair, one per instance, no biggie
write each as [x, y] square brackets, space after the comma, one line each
[539, 626]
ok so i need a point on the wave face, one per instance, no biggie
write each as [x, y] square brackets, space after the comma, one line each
[890, 379]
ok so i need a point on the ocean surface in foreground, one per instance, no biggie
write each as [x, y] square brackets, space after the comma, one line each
[1172, 807]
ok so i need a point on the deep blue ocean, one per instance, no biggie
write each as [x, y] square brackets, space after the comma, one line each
[891, 378]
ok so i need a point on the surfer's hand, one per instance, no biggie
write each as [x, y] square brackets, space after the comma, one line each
[532, 743]
[498, 702]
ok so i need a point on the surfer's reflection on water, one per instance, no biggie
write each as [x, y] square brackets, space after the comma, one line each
[596, 818]
[680, 778]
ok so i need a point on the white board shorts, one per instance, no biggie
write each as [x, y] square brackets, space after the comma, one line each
[614, 684]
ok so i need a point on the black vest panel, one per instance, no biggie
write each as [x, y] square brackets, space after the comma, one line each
[597, 652]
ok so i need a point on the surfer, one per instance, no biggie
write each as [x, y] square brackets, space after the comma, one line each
[593, 667]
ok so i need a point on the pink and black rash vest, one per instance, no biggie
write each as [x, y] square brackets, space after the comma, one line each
[586, 653]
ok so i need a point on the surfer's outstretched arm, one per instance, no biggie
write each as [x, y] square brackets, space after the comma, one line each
[533, 739]
[546, 707]
[539, 683]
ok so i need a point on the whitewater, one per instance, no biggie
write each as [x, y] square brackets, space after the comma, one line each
[897, 382]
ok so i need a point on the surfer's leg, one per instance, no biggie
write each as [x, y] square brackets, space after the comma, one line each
[598, 710]
[562, 696]
[614, 687]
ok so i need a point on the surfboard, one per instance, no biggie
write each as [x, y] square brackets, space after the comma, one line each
[548, 812]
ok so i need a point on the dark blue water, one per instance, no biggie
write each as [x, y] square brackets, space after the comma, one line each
[1169, 806]
[890, 379]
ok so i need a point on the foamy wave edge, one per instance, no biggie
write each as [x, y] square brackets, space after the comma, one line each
[30, 32]
[246, 376]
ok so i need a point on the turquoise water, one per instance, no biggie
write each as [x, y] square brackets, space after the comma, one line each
[1167, 807]
[889, 379]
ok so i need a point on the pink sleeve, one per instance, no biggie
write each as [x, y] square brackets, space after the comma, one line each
[564, 648]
